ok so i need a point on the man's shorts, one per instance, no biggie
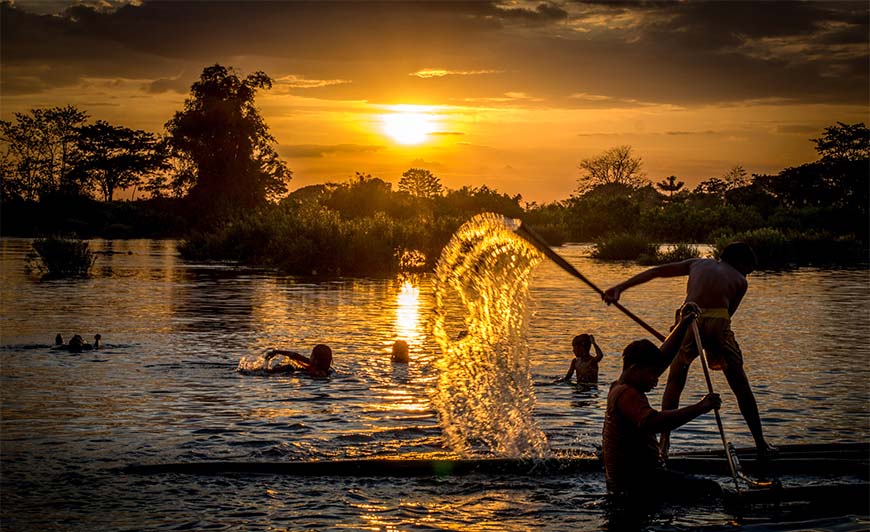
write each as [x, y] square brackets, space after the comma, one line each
[716, 336]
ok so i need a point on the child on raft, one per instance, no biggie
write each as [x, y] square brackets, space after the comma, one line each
[584, 364]
[633, 467]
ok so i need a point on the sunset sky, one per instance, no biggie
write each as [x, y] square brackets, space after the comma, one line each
[508, 94]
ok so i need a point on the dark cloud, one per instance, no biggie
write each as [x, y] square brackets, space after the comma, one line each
[680, 53]
[180, 84]
[301, 151]
[708, 132]
[802, 129]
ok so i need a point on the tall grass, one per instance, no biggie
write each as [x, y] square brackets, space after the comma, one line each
[775, 248]
[315, 240]
[62, 257]
[676, 253]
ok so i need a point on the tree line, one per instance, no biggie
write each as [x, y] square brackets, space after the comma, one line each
[215, 171]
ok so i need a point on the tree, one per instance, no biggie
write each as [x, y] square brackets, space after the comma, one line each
[615, 166]
[40, 149]
[670, 185]
[222, 132]
[420, 183]
[735, 177]
[115, 157]
[714, 186]
[844, 142]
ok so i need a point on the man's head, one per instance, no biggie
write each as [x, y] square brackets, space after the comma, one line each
[581, 344]
[740, 256]
[642, 363]
[321, 358]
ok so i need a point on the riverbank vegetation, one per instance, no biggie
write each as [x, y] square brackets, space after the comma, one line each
[61, 257]
[214, 179]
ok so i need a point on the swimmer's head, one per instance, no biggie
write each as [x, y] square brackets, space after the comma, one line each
[58, 340]
[581, 344]
[76, 343]
[401, 352]
[321, 358]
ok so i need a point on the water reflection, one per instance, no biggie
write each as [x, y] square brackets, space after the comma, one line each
[408, 313]
[165, 390]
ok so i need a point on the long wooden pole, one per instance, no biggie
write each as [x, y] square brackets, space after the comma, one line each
[702, 355]
[543, 247]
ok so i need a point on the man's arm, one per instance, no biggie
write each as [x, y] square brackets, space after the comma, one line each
[735, 301]
[668, 420]
[671, 345]
[673, 269]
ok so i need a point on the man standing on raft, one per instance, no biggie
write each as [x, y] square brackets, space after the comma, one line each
[717, 287]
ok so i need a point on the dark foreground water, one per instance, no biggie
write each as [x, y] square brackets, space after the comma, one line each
[164, 389]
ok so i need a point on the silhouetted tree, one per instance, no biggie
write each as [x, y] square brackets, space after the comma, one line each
[115, 157]
[670, 185]
[472, 200]
[615, 166]
[39, 151]
[844, 141]
[222, 132]
[175, 176]
[735, 177]
[420, 183]
[363, 195]
[714, 186]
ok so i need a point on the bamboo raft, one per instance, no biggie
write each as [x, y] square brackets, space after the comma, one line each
[839, 471]
[851, 459]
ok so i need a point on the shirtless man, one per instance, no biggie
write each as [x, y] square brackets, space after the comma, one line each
[717, 287]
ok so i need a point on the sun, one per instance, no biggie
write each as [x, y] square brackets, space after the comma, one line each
[409, 124]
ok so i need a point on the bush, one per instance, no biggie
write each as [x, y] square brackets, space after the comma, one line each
[311, 239]
[624, 246]
[63, 257]
[772, 248]
[676, 253]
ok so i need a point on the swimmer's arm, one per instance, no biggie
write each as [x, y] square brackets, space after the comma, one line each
[673, 269]
[567, 376]
[598, 353]
[293, 355]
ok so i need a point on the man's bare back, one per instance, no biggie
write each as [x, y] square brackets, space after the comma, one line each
[715, 284]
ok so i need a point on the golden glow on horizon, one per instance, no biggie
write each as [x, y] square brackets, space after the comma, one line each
[409, 124]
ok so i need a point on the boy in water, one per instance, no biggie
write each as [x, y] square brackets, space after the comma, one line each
[318, 365]
[584, 364]
[632, 464]
[717, 287]
[401, 354]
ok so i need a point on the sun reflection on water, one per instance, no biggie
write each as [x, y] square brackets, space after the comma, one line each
[408, 312]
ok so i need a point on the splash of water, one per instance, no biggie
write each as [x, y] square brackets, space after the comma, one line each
[484, 396]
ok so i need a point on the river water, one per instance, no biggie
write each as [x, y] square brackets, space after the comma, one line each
[164, 389]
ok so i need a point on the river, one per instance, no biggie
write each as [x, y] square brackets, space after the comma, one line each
[164, 389]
